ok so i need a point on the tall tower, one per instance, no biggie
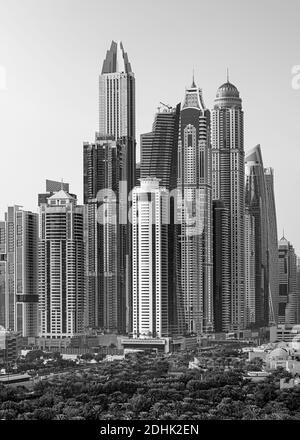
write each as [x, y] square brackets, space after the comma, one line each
[101, 180]
[256, 202]
[150, 259]
[61, 267]
[288, 294]
[298, 290]
[117, 174]
[117, 110]
[2, 272]
[272, 247]
[117, 118]
[159, 155]
[117, 97]
[18, 271]
[228, 185]
[194, 210]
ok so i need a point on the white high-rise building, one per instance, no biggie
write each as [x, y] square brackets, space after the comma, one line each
[150, 259]
[227, 128]
[117, 94]
[61, 267]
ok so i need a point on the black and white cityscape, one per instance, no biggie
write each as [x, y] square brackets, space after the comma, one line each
[168, 292]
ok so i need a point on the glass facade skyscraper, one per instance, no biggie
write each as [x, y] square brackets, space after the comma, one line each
[272, 247]
[117, 174]
[257, 205]
[159, 155]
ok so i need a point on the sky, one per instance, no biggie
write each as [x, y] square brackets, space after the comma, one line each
[51, 53]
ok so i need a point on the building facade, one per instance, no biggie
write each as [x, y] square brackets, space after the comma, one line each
[194, 215]
[228, 185]
[288, 294]
[249, 315]
[116, 121]
[2, 272]
[298, 291]
[257, 205]
[18, 271]
[150, 259]
[159, 148]
[52, 186]
[101, 182]
[61, 267]
[221, 268]
[272, 247]
[159, 155]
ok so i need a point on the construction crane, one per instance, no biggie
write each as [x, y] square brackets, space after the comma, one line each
[169, 107]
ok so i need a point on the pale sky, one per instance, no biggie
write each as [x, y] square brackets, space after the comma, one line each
[51, 53]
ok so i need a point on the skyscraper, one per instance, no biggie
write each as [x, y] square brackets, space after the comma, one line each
[18, 271]
[228, 185]
[150, 259]
[2, 272]
[272, 247]
[288, 294]
[256, 202]
[159, 155]
[249, 315]
[159, 148]
[117, 122]
[101, 182]
[298, 291]
[61, 267]
[221, 272]
[194, 210]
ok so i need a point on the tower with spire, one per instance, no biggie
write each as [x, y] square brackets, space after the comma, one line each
[194, 274]
[256, 202]
[228, 186]
[109, 165]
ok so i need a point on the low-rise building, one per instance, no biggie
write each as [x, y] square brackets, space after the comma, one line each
[286, 384]
[285, 333]
[8, 345]
[159, 344]
[257, 354]
[257, 376]
[111, 358]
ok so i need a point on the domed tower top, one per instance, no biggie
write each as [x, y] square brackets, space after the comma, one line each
[228, 96]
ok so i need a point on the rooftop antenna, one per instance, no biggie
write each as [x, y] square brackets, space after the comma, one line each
[193, 84]
[227, 74]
